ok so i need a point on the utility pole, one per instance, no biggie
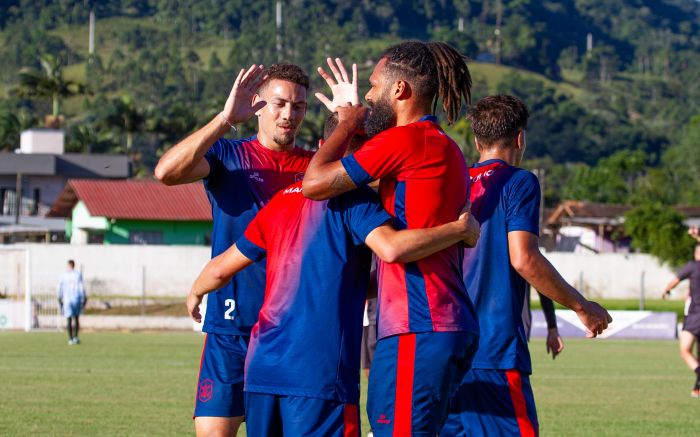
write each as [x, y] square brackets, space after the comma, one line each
[279, 30]
[91, 42]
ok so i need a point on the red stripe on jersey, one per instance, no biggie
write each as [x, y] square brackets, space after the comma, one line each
[351, 418]
[405, 367]
[515, 385]
[199, 375]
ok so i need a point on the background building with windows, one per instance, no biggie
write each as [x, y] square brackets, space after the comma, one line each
[134, 212]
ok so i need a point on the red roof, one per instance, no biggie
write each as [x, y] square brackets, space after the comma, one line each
[134, 200]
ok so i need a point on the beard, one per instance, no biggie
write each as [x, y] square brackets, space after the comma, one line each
[285, 139]
[381, 118]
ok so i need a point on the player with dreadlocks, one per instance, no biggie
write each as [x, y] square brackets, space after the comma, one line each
[427, 329]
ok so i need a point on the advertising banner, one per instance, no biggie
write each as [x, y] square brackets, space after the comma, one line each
[626, 324]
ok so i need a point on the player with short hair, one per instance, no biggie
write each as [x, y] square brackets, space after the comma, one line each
[240, 177]
[495, 397]
[71, 300]
[691, 323]
[302, 367]
[427, 328]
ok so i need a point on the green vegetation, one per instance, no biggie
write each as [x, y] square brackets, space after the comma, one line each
[614, 122]
[143, 384]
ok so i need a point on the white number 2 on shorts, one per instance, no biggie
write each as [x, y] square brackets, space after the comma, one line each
[232, 304]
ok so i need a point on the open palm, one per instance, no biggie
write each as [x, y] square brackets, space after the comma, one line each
[239, 105]
[344, 92]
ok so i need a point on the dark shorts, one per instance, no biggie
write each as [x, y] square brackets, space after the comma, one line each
[492, 403]
[276, 415]
[369, 344]
[220, 382]
[692, 324]
[412, 379]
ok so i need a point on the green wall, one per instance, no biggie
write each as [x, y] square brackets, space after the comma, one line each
[173, 232]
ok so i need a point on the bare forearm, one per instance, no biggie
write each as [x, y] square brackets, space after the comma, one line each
[671, 285]
[540, 273]
[323, 178]
[413, 244]
[176, 165]
[219, 271]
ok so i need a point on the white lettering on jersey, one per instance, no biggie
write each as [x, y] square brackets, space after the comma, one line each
[292, 190]
[485, 174]
[256, 176]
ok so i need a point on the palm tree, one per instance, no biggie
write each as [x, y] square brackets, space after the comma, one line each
[48, 82]
[125, 116]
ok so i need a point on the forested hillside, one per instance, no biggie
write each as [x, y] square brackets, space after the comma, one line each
[613, 85]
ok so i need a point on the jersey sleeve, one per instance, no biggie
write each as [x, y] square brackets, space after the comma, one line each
[215, 158]
[685, 271]
[363, 214]
[523, 203]
[252, 243]
[384, 155]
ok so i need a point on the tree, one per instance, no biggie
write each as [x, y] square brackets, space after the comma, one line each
[124, 115]
[48, 83]
[659, 231]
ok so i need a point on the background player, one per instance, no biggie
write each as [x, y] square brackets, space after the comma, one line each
[691, 323]
[495, 397]
[72, 300]
[427, 328]
[311, 319]
[553, 343]
[240, 177]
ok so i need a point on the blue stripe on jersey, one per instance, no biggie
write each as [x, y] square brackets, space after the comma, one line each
[419, 319]
[400, 206]
[250, 250]
[358, 174]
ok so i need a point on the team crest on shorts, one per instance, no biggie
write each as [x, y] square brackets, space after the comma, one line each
[206, 389]
[298, 177]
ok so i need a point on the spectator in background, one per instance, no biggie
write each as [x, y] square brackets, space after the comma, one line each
[72, 300]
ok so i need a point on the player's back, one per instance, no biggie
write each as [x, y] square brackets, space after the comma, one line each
[307, 339]
[423, 184]
[504, 199]
[244, 175]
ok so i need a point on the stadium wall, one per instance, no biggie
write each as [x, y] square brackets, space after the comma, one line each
[168, 271]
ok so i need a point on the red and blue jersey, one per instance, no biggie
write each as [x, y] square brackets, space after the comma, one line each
[423, 184]
[244, 175]
[307, 339]
[504, 199]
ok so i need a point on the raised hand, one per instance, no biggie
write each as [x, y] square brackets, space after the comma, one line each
[344, 92]
[239, 105]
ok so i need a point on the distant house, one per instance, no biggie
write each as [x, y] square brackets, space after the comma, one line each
[579, 226]
[134, 212]
[32, 178]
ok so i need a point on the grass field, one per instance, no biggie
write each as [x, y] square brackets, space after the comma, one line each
[131, 384]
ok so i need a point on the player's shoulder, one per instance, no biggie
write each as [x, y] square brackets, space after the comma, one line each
[521, 177]
[234, 143]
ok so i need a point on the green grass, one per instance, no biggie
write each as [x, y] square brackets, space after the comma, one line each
[117, 384]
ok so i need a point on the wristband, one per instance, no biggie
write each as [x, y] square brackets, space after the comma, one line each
[221, 114]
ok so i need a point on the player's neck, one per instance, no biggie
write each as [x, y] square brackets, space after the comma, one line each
[410, 114]
[271, 144]
[508, 155]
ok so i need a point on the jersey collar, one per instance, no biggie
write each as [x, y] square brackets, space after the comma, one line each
[489, 162]
[429, 117]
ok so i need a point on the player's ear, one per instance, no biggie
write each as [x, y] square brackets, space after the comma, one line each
[402, 90]
[257, 100]
[520, 141]
[320, 143]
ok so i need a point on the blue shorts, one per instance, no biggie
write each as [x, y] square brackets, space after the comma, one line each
[493, 402]
[275, 415]
[412, 378]
[220, 382]
[72, 309]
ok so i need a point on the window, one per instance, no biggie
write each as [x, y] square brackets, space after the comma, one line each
[146, 237]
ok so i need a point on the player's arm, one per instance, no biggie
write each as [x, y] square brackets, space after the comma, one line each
[410, 245]
[554, 342]
[215, 275]
[185, 162]
[670, 286]
[528, 261]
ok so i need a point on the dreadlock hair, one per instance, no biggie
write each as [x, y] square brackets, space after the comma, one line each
[435, 70]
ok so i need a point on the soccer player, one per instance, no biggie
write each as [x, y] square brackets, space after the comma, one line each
[240, 177]
[302, 373]
[691, 322]
[495, 397]
[427, 328]
[72, 300]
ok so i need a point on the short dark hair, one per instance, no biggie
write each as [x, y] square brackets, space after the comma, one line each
[496, 119]
[71, 263]
[329, 126]
[435, 71]
[284, 71]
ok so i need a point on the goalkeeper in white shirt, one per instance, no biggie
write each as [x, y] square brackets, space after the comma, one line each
[72, 300]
